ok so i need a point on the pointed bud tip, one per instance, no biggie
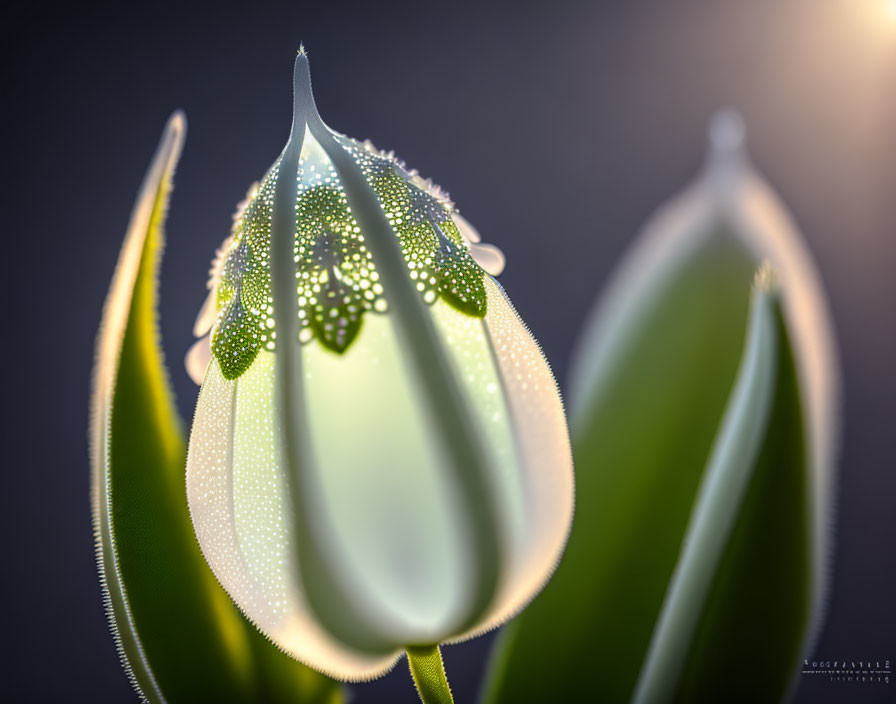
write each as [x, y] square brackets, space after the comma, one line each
[302, 75]
[301, 64]
[766, 280]
[304, 109]
[727, 160]
[727, 131]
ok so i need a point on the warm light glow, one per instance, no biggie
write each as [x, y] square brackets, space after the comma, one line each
[879, 16]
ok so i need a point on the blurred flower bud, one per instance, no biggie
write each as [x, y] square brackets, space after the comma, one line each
[704, 440]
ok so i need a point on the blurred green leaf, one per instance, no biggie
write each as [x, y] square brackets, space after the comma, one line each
[655, 369]
[180, 637]
[640, 442]
[737, 606]
[641, 448]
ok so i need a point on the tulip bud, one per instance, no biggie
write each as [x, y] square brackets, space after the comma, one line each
[379, 457]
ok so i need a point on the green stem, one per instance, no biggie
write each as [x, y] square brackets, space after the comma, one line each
[429, 674]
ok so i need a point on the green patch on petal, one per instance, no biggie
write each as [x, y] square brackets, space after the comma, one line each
[461, 281]
[245, 313]
[437, 256]
[336, 276]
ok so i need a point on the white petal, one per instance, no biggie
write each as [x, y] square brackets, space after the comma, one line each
[237, 502]
[447, 415]
[470, 233]
[206, 316]
[397, 527]
[469, 347]
[395, 524]
[197, 359]
[488, 257]
[545, 469]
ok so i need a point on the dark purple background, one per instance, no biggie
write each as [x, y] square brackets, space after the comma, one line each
[557, 128]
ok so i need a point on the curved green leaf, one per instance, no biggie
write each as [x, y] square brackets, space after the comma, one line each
[640, 443]
[738, 602]
[180, 637]
[655, 369]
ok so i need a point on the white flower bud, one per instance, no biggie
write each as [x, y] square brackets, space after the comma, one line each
[379, 457]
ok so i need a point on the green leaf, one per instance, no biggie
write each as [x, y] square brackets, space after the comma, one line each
[180, 637]
[655, 372]
[742, 579]
[640, 447]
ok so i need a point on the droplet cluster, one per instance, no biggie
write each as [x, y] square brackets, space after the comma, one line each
[336, 277]
[437, 256]
[245, 322]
